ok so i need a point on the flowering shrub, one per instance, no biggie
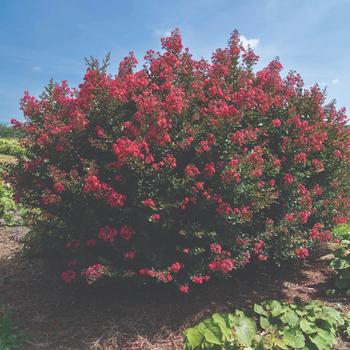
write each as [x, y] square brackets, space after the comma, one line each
[185, 170]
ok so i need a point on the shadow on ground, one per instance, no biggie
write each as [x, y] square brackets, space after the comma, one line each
[120, 317]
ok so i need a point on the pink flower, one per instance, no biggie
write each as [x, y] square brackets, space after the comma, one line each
[116, 199]
[276, 123]
[149, 203]
[209, 169]
[73, 244]
[127, 232]
[200, 185]
[258, 246]
[191, 170]
[272, 182]
[147, 272]
[184, 288]
[302, 253]
[227, 265]
[216, 248]
[107, 233]
[200, 279]
[304, 216]
[130, 255]
[165, 277]
[340, 220]
[92, 183]
[224, 265]
[318, 165]
[155, 217]
[262, 257]
[300, 158]
[90, 243]
[288, 179]
[59, 186]
[94, 272]
[175, 267]
[337, 154]
[68, 276]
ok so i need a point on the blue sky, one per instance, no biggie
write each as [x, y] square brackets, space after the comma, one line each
[42, 39]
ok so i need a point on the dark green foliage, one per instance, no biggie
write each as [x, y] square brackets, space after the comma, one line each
[271, 325]
[8, 131]
[10, 339]
[341, 264]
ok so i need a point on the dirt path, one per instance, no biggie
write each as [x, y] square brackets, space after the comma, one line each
[123, 318]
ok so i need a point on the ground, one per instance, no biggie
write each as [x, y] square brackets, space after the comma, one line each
[56, 318]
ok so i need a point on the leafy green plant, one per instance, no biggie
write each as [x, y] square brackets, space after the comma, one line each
[271, 325]
[341, 232]
[10, 146]
[10, 212]
[10, 339]
[7, 205]
[341, 264]
[311, 326]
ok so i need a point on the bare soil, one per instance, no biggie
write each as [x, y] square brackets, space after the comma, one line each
[121, 317]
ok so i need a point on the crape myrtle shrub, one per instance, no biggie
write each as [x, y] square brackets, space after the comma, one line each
[185, 170]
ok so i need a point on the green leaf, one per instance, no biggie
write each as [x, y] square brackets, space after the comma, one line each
[340, 264]
[280, 343]
[342, 284]
[276, 308]
[307, 327]
[290, 317]
[245, 329]
[218, 319]
[260, 310]
[334, 314]
[345, 275]
[194, 337]
[327, 336]
[264, 323]
[294, 338]
[231, 318]
[225, 330]
[319, 342]
[314, 305]
[211, 337]
[201, 327]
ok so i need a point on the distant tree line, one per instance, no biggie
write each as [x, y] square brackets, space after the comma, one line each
[8, 131]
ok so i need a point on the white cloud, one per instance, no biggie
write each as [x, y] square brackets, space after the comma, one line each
[335, 81]
[36, 68]
[162, 33]
[253, 42]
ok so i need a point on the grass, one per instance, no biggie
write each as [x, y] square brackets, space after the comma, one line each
[10, 339]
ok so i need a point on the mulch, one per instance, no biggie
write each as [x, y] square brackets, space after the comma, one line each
[122, 317]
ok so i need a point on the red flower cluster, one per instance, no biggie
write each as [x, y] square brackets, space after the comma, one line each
[107, 234]
[302, 253]
[224, 265]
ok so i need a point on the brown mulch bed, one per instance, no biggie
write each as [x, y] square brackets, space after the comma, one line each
[125, 318]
